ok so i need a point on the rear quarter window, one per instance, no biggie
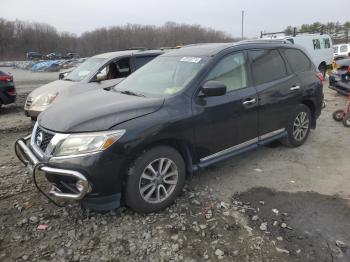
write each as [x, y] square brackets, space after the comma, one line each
[298, 61]
[267, 66]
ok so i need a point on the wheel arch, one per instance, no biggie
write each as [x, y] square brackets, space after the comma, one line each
[312, 107]
[184, 148]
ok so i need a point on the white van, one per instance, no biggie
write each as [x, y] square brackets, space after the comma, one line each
[341, 51]
[318, 46]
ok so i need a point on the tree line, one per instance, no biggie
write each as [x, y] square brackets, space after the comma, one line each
[18, 37]
[339, 32]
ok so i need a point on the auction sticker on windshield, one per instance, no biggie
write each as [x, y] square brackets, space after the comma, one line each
[191, 59]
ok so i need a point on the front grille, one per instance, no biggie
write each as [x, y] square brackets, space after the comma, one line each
[42, 138]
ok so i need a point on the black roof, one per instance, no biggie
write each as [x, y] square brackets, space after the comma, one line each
[203, 50]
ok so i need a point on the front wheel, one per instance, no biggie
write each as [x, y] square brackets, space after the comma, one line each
[298, 128]
[346, 121]
[155, 179]
[338, 115]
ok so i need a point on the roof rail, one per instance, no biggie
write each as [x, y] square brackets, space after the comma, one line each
[170, 47]
[137, 48]
[295, 32]
[281, 41]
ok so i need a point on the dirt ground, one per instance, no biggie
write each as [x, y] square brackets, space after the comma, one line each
[271, 204]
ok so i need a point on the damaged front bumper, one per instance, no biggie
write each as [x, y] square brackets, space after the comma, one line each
[28, 158]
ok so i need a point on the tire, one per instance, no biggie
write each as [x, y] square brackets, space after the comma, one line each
[141, 177]
[301, 116]
[338, 115]
[346, 121]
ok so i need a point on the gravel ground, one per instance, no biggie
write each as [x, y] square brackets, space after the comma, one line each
[272, 204]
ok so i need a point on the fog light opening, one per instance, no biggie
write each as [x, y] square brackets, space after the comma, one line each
[81, 184]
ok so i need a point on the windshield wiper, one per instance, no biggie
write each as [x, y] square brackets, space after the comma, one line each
[127, 92]
[67, 79]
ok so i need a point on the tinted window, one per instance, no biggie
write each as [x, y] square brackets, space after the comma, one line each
[343, 48]
[231, 71]
[291, 40]
[140, 61]
[298, 60]
[267, 66]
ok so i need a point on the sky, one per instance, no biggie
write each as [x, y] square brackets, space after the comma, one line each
[78, 16]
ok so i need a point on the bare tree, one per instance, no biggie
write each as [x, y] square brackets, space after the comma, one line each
[18, 37]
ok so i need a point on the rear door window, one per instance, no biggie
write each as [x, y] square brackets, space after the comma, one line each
[267, 66]
[298, 60]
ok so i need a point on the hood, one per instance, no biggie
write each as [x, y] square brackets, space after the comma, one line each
[82, 87]
[97, 110]
[51, 88]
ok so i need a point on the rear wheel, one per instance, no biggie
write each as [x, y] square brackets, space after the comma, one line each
[338, 115]
[155, 179]
[298, 127]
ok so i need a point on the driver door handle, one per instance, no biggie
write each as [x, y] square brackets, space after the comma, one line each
[294, 88]
[249, 101]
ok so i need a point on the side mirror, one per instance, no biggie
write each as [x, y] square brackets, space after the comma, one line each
[213, 88]
[100, 77]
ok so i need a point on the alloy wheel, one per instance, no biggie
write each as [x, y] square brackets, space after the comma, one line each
[158, 180]
[301, 126]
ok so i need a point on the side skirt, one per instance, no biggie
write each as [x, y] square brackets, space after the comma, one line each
[216, 158]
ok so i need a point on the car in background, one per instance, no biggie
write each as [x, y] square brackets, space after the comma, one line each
[184, 111]
[318, 46]
[34, 56]
[54, 56]
[98, 72]
[71, 55]
[339, 79]
[7, 89]
[341, 51]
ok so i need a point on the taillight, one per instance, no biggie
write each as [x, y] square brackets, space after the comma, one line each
[349, 69]
[320, 76]
[6, 78]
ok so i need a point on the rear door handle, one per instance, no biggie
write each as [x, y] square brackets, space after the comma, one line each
[294, 88]
[249, 101]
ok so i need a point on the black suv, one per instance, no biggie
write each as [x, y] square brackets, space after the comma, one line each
[185, 110]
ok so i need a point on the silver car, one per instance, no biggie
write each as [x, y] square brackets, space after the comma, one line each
[98, 72]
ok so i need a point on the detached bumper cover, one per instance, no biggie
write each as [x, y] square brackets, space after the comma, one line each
[26, 156]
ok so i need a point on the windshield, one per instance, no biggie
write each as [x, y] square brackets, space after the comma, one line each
[163, 76]
[84, 69]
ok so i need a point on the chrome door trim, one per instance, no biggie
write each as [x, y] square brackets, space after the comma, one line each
[244, 144]
[271, 134]
[230, 149]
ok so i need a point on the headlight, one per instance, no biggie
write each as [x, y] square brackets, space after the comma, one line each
[45, 100]
[77, 144]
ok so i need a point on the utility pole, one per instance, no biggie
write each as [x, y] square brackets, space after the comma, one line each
[242, 24]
